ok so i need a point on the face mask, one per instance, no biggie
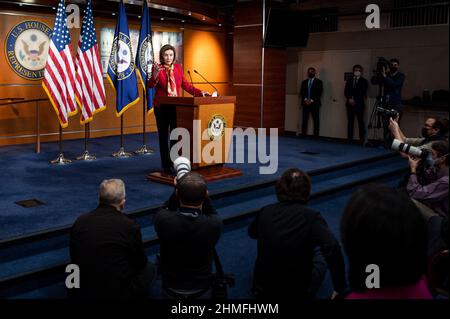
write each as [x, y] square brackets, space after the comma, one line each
[430, 161]
[433, 161]
[393, 69]
[425, 132]
[357, 73]
[311, 75]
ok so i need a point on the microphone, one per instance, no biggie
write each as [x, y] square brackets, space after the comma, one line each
[190, 77]
[216, 93]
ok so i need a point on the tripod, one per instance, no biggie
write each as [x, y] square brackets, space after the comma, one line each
[374, 137]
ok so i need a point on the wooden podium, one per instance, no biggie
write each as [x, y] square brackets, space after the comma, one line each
[207, 120]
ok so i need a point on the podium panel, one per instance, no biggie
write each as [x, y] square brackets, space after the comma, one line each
[209, 141]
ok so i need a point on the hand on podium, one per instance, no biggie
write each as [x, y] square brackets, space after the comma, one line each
[205, 94]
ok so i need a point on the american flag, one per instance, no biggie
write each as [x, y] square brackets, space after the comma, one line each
[90, 91]
[59, 75]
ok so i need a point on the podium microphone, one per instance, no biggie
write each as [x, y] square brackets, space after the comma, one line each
[216, 93]
[190, 77]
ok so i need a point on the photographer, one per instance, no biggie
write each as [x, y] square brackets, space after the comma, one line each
[434, 130]
[433, 194]
[390, 81]
[393, 81]
[188, 237]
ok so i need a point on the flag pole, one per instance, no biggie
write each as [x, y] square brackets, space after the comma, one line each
[144, 150]
[61, 160]
[86, 156]
[121, 153]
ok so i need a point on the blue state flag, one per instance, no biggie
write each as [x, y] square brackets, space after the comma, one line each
[121, 66]
[144, 56]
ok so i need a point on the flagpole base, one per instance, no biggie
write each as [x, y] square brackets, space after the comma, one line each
[144, 150]
[86, 157]
[121, 153]
[61, 160]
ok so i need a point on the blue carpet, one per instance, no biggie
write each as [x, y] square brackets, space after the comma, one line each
[236, 250]
[69, 191]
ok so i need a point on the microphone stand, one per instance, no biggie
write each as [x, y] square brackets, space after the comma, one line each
[208, 82]
[192, 83]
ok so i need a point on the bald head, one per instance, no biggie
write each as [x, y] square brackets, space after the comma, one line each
[112, 192]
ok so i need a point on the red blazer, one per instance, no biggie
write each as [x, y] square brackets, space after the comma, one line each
[161, 83]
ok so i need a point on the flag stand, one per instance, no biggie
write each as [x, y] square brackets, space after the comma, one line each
[121, 153]
[86, 156]
[60, 160]
[144, 150]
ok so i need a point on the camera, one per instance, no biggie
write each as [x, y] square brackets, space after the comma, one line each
[382, 63]
[398, 145]
[387, 112]
[181, 165]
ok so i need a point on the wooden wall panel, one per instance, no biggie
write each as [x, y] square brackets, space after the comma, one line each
[247, 55]
[247, 13]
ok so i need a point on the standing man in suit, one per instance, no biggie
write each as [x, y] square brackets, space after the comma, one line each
[356, 93]
[310, 92]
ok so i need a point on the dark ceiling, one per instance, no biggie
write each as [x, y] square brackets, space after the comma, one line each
[196, 12]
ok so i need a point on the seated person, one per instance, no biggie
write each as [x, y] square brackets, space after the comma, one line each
[188, 237]
[288, 233]
[433, 194]
[107, 246]
[381, 226]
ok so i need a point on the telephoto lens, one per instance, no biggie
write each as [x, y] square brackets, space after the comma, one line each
[181, 165]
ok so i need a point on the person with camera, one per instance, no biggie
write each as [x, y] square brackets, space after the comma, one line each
[295, 245]
[188, 236]
[356, 92]
[310, 93]
[393, 80]
[390, 81]
[434, 192]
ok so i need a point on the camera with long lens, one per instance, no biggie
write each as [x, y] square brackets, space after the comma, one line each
[387, 112]
[399, 146]
[181, 165]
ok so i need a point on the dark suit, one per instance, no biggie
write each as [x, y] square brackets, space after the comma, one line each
[315, 93]
[356, 89]
[107, 246]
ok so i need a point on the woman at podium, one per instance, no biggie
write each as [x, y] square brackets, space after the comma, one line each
[168, 80]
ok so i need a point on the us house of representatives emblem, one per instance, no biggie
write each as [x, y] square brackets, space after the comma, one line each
[122, 63]
[216, 127]
[26, 49]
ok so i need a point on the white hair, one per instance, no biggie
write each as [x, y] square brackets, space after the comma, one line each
[112, 191]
